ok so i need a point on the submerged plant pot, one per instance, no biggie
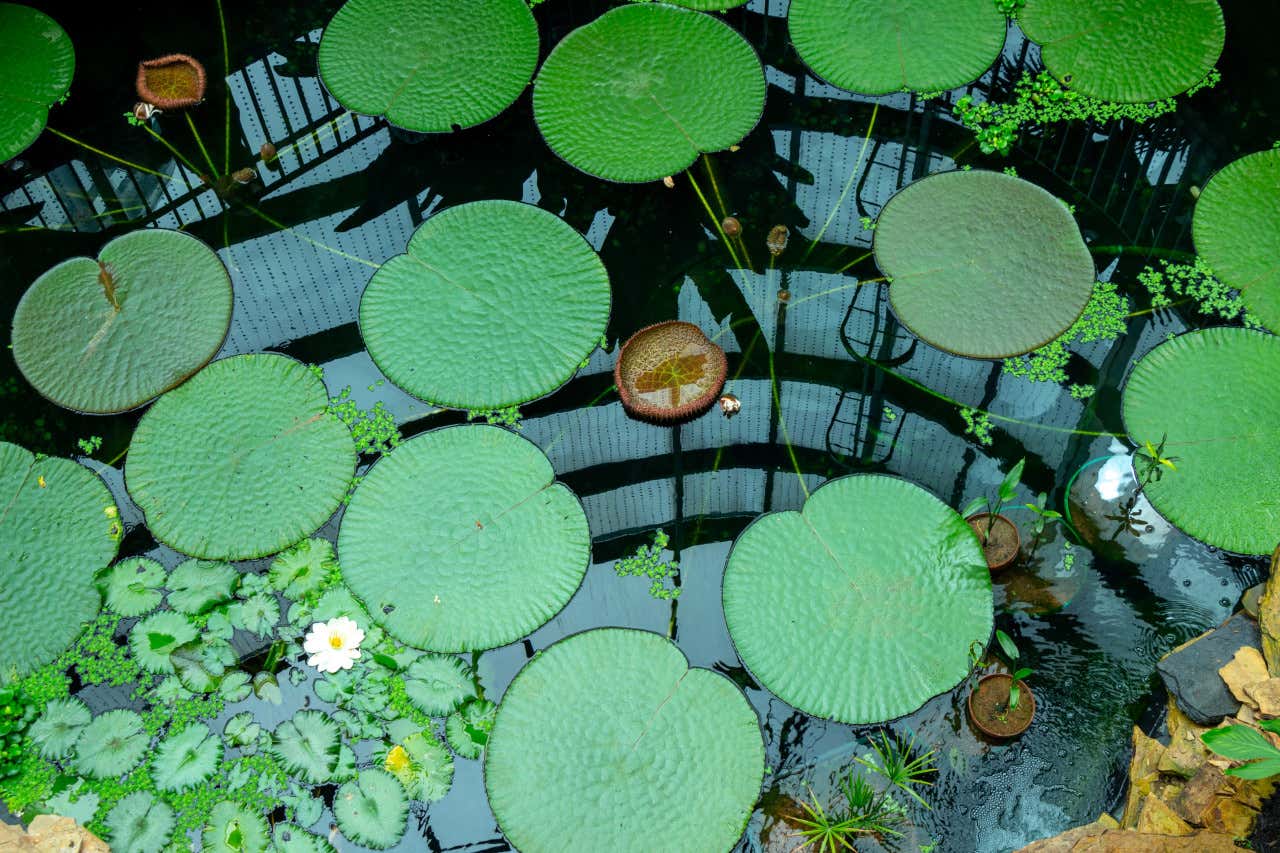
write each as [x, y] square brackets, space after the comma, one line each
[171, 82]
[988, 701]
[1000, 548]
[669, 373]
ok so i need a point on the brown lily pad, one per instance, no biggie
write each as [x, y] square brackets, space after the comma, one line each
[171, 82]
[669, 372]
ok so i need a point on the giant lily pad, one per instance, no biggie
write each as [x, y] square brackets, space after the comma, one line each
[108, 335]
[39, 63]
[429, 65]
[241, 461]
[57, 530]
[672, 755]
[1237, 231]
[876, 48]
[826, 606]
[1126, 50]
[1213, 398]
[640, 92]
[494, 303]
[983, 265]
[462, 539]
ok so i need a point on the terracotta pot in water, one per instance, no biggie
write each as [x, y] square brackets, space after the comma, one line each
[989, 699]
[1000, 548]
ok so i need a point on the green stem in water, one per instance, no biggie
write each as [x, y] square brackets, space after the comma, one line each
[174, 151]
[86, 146]
[857, 167]
[714, 221]
[724, 210]
[782, 422]
[274, 223]
[191, 124]
[855, 261]
[226, 73]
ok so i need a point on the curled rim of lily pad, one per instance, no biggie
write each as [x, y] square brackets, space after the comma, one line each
[669, 372]
[171, 82]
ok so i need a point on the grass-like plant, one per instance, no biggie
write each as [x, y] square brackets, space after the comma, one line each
[868, 810]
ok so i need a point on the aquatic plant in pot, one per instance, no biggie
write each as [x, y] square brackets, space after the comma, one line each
[1000, 704]
[996, 533]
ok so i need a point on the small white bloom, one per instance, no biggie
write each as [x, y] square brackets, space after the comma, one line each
[333, 645]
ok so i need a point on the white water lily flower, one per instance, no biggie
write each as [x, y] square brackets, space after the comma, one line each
[333, 645]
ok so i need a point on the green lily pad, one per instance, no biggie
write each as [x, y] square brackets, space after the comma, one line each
[463, 540]
[232, 828]
[1236, 227]
[59, 727]
[825, 606]
[437, 684]
[429, 65]
[132, 587]
[38, 66]
[1126, 50]
[197, 585]
[308, 746]
[640, 92]
[673, 754]
[111, 745]
[983, 265]
[1213, 398]
[494, 303]
[140, 823]
[708, 5]
[290, 838]
[242, 460]
[422, 765]
[303, 569]
[186, 759]
[468, 727]
[154, 640]
[108, 335]
[372, 809]
[59, 527]
[877, 48]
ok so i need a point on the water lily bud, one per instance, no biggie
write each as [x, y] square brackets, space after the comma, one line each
[777, 239]
[244, 176]
[732, 227]
[267, 152]
[730, 405]
[143, 111]
[669, 182]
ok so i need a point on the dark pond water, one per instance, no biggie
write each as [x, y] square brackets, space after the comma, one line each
[854, 391]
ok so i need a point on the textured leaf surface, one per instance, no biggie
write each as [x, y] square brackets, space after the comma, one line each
[58, 728]
[308, 745]
[428, 65]
[78, 350]
[468, 727]
[672, 755]
[462, 539]
[967, 279]
[242, 460]
[862, 606]
[1126, 50]
[290, 838]
[187, 758]
[640, 92]
[39, 63]
[876, 47]
[155, 639]
[708, 5]
[494, 303]
[197, 585]
[1214, 397]
[232, 828]
[140, 823]
[437, 684]
[111, 745]
[372, 809]
[53, 540]
[1236, 227]
[132, 587]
